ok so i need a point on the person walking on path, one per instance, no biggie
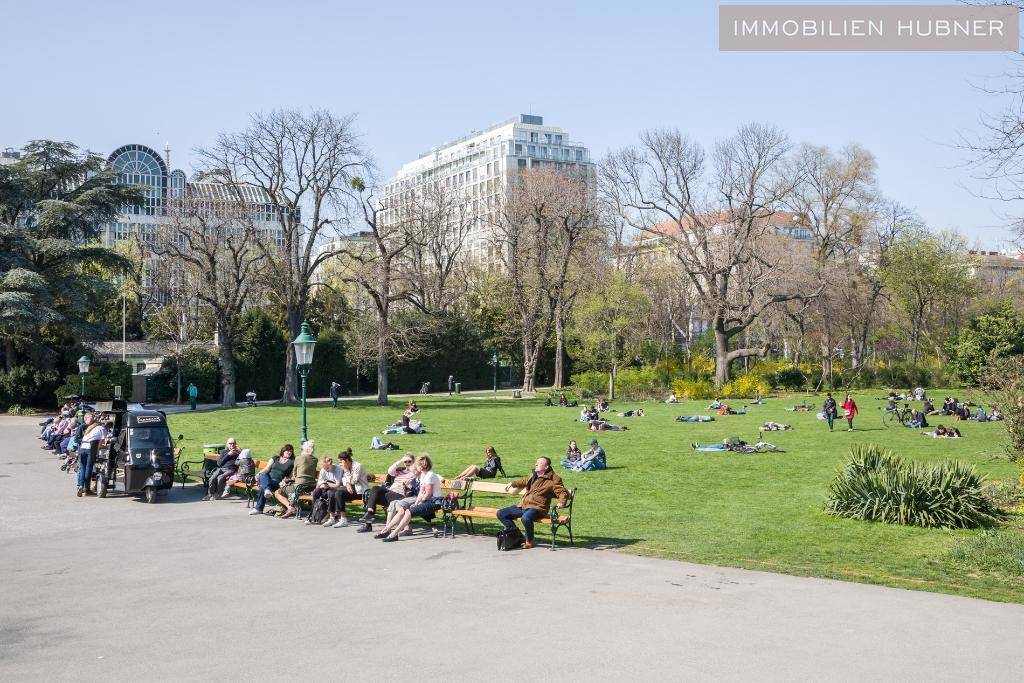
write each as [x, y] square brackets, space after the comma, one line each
[849, 411]
[335, 392]
[451, 384]
[193, 394]
[830, 411]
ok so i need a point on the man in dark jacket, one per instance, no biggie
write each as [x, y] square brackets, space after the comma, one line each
[227, 465]
[540, 489]
[335, 393]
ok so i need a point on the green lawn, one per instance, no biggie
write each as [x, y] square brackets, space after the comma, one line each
[659, 497]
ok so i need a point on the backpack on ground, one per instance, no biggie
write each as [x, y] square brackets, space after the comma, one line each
[319, 511]
[510, 539]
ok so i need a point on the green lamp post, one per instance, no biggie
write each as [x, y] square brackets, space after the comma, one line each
[83, 370]
[304, 344]
[494, 362]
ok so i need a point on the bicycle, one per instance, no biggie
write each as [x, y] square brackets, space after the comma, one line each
[897, 417]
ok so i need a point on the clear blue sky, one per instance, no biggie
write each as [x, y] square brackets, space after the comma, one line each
[105, 73]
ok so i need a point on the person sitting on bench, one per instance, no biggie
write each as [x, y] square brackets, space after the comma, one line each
[327, 483]
[395, 488]
[226, 466]
[273, 473]
[302, 481]
[353, 484]
[489, 470]
[426, 503]
[695, 418]
[543, 486]
[572, 455]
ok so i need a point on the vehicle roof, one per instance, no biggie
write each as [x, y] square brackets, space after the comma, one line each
[145, 418]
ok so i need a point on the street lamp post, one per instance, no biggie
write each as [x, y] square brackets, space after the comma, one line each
[304, 344]
[494, 362]
[83, 370]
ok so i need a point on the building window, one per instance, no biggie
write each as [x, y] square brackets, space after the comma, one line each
[544, 152]
[519, 149]
[531, 151]
[533, 137]
[558, 139]
[547, 137]
[521, 163]
[579, 155]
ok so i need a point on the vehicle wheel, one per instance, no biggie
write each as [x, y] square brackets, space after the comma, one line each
[890, 419]
[101, 486]
[150, 494]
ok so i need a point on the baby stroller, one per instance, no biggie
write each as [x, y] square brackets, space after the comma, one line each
[250, 399]
[425, 388]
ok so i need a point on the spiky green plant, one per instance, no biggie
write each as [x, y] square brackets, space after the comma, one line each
[877, 485]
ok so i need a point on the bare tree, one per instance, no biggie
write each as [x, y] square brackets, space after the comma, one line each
[304, 161]
[375, 263]
[539, 229]
[717, 223]
[216, 246]
[440, 224]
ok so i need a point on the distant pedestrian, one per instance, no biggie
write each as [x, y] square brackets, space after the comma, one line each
[451, 384]
[849, 411]
[335, 392]
[830, 411]
[193, 394]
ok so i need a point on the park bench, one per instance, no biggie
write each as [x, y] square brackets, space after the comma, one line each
[470, 511]
[250, 487]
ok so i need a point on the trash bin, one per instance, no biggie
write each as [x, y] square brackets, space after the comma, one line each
[458, 387]
[517, 393]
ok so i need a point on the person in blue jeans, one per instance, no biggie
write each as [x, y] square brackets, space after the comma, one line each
[539, 490]
[270, 477]
[92, 435]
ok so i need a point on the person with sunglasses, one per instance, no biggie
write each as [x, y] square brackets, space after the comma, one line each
[401, 474]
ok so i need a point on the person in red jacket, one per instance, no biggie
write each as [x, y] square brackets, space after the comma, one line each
[849, 411]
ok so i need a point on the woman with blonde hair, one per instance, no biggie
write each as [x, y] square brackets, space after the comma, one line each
[426, 502]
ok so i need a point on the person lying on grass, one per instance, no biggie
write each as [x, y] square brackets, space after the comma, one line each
[602, 425]
[541, 488]
[695, 418]
[726, 409]
[489, 470]
[639, 412]
[801, 408]
[413, 427]
[774, 427]
[726, 445]
[942, 432]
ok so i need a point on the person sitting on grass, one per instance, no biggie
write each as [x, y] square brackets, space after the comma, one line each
[412, 408]
[602, 405]
[727, 409]
[548, 403]
[273, 473]
[227, 465]
[672, 398]
[489, 470]
[639, 412]
[426, 503]
[353, 484]
[995, 415]
[929, 407]
[917, 420]
[401, 475]
[593, 459]
[589, 414]
[562, 401]
[695, 418]
[543, 486]
[572, 455]
[326, 484]
[716, 404]
[301, 482]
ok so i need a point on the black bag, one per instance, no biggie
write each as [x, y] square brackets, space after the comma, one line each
[319, 511]
[510, 539]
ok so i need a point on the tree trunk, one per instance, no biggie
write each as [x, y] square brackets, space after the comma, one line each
[722, 361]
[227, 373]
[611, 382]
[9, 353]
[291, 372]
[382, 357]
[559, 349]
[530, 356]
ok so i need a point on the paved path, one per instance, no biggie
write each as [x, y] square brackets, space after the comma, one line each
[186, 590]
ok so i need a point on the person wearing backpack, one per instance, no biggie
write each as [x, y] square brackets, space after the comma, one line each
[543, 486]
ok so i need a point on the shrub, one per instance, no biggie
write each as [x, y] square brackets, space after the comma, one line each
[637, 383]
[26, 385]
[591, 383]
[694, 389]
[569, 393]
[791, 378]
[746, 386]
[989, 550]
[877, 485]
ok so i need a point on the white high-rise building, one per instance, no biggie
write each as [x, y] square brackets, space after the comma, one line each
[479, 166]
